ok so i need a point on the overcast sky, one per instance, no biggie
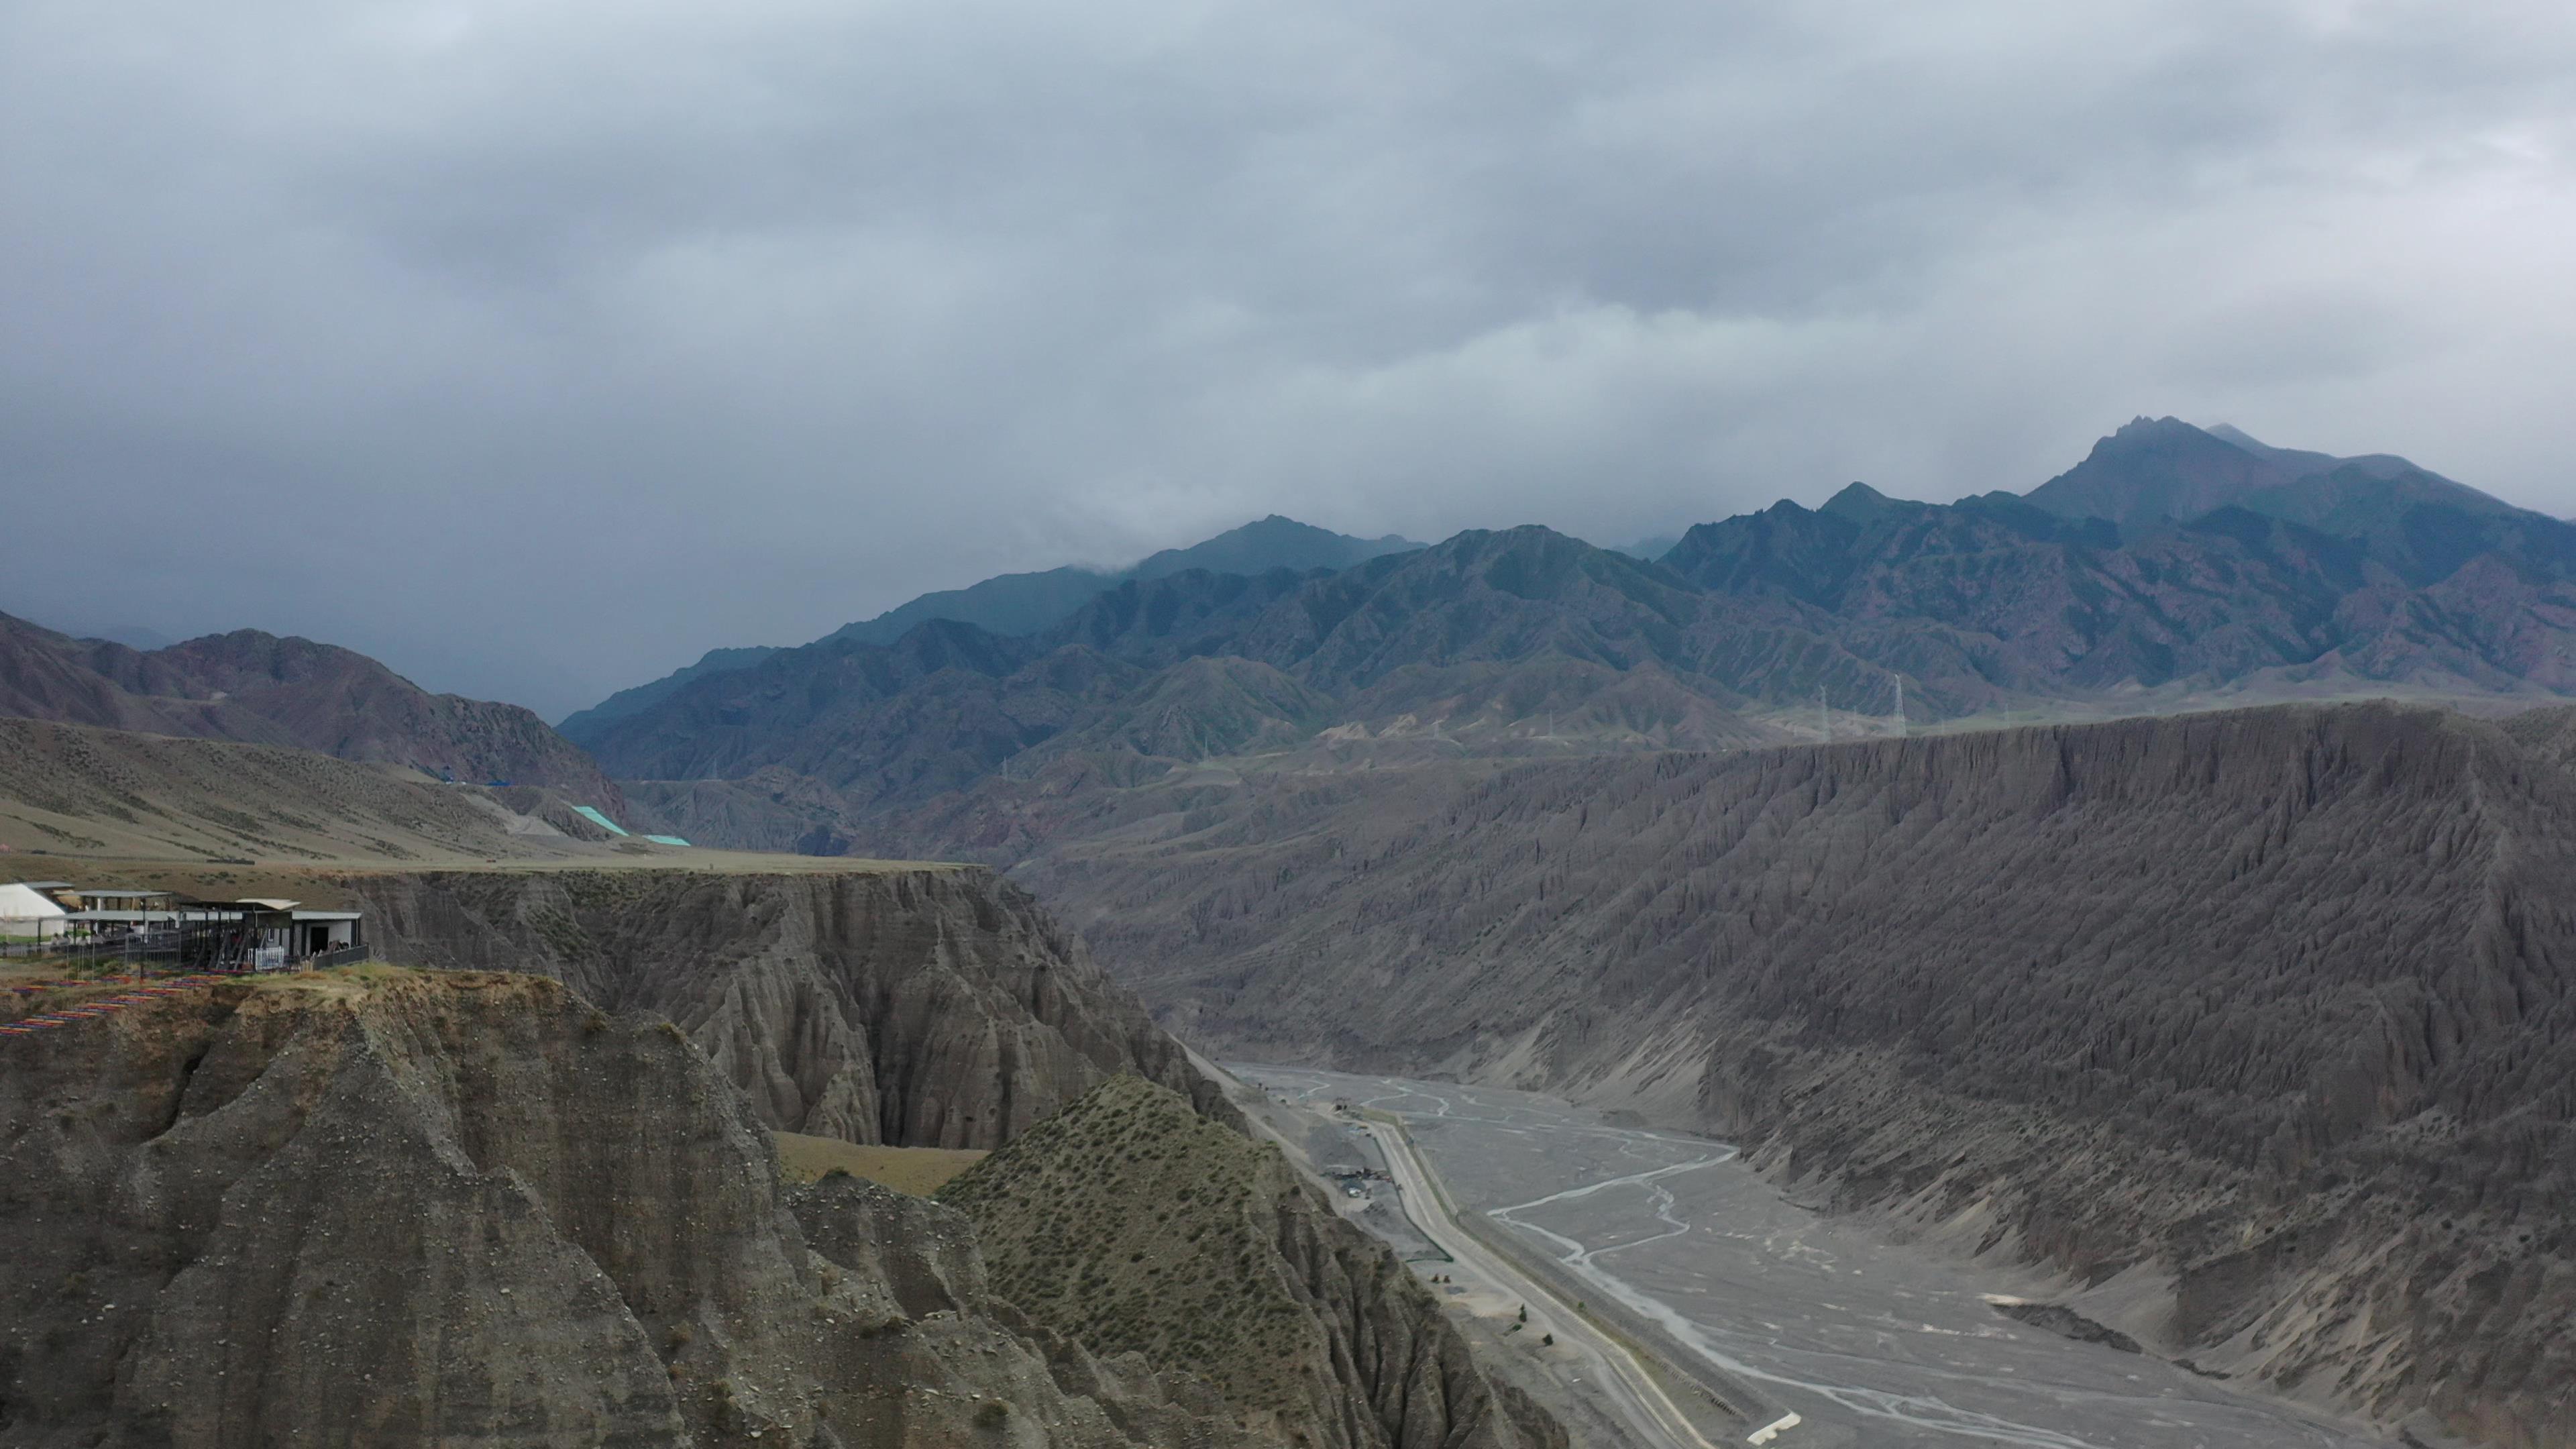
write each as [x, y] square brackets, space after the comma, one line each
[535, 347]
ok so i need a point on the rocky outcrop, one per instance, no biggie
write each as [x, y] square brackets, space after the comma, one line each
[1135, 1224]
[928, 1007]
[473, 1209]
[922, 1256]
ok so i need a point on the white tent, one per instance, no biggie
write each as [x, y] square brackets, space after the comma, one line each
[28, 912]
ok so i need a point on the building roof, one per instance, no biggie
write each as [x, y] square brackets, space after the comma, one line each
[592, 814]
[20, 902]
[264, 903]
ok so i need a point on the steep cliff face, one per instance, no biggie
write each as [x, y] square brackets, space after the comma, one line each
[471, 1209]
[934, 1007]
[1138, 1226]
[2270, 1010]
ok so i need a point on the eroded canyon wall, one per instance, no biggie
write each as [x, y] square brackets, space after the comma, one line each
[474, 1209]
[930, 1007]
[2275, 1008]
[460, 1207]
[1138, 1226]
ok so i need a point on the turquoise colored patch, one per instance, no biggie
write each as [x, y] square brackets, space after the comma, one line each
[595, 818]
[666, 840]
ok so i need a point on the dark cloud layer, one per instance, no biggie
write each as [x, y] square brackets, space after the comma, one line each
[536, 347]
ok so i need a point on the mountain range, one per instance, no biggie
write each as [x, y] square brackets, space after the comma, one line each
[262, 689]
[1027, 603]
[2173, 567]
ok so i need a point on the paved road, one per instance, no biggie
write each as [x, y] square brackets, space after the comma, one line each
[1650, 1411]
[1872, 1344]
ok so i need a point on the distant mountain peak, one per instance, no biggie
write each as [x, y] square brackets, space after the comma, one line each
[2165, 432]
[2157, 470]
[1020, 605]
[1276, 541]
[1860, 503]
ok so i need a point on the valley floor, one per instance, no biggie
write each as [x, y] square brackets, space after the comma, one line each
[1870, 1343]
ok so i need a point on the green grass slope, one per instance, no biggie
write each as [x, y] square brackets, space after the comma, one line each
[1136, 1225]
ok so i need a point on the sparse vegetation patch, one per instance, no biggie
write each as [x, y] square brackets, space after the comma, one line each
[1138, 1226]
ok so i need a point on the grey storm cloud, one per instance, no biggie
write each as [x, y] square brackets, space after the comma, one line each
[536, 347]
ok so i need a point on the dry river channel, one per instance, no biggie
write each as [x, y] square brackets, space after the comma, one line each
[1868, 1342]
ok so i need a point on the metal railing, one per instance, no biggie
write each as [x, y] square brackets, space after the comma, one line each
[132, 948]
[195, 949]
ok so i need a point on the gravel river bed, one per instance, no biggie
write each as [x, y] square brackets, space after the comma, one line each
[1870, 1342]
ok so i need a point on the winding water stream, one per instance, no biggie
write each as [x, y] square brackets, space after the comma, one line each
[1872, 1343]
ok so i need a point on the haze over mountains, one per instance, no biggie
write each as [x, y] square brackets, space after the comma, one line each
[2173, 566]
[1027, 603]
